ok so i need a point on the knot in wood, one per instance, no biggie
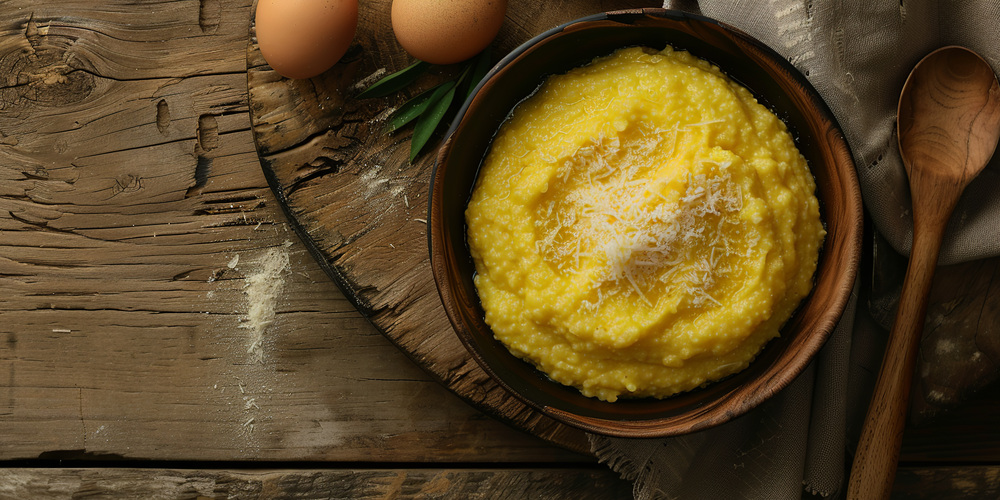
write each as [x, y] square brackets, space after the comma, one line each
[37, 71]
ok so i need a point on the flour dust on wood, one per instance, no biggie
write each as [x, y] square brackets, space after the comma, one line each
[251, 377]
[264, 285]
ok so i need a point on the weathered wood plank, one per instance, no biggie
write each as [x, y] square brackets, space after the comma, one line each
[912, 483]
[514, 484]
[953, 483]
[964, 434]
[134, 227]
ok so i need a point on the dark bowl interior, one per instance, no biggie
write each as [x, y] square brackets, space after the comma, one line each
[778, 86]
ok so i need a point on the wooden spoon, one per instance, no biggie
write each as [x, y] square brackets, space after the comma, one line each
[948, 125]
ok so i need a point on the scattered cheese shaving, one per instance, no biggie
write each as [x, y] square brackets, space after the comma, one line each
[623, 221]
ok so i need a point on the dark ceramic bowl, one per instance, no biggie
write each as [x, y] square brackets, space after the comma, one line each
[778, 86]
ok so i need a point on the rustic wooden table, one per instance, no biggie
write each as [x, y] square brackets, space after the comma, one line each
[164, 331]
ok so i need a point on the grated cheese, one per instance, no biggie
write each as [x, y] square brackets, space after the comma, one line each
[620, 219]
[646, 250]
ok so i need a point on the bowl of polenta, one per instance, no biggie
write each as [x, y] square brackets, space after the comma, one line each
[644, 223]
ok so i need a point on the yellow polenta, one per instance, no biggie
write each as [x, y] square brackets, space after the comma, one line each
[642, 226]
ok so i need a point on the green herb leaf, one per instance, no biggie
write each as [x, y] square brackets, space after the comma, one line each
[480, 68]
[429, 120]
[412, 108]
[394, 82]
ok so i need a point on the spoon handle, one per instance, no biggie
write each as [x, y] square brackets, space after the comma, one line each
[874, 468]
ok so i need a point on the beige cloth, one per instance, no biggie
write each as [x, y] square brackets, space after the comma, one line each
[857, 54]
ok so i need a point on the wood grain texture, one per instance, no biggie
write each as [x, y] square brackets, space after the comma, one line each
[977, 482]
[954, 483]
[361, 206]
[360, 484]
[963, 435]
[133, 219]
[960, 350]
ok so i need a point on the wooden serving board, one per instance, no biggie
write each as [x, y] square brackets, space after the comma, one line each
[360, 206]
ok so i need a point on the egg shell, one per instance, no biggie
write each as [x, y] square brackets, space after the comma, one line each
[446, 31]
[303, 38]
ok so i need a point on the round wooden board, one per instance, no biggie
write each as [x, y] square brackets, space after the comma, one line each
[360, 206]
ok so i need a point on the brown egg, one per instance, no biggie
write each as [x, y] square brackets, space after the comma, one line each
[446, 31]
[303, 38]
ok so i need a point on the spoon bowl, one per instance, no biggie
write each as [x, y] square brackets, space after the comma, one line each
[948, 124]
[948, 116]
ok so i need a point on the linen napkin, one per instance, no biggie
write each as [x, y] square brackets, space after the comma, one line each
[857, 54]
